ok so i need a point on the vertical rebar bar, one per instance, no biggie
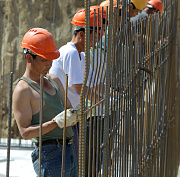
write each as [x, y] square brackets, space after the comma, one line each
[9, 125]
[64, 132]
[82, 128]
[41, 119]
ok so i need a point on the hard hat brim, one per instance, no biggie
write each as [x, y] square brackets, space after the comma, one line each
[51, 56]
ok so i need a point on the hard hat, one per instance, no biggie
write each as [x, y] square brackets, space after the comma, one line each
[79, 17]
[40, 42]
[139, 4]
[155, 4]
[100, 10]
[106, 3]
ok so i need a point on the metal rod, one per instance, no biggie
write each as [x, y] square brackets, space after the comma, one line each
[82, 122]
[9, 125]
[64, 132]
[41, 119]
[92, 107]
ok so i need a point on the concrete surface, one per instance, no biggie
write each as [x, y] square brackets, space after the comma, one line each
[20, 163]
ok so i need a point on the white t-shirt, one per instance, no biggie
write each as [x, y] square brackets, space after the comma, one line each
[69, 63]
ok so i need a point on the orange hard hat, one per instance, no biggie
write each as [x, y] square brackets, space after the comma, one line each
[100, 10]
[156, 4]
[79, 17]
[106, 3]
[40, 42]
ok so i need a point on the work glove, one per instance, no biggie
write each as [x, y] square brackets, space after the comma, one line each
[71, 117]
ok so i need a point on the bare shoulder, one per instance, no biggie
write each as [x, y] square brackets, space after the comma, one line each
[22, 90]
[56, 79]
[53, 76]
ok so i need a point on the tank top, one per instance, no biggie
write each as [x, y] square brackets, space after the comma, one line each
[53, 106]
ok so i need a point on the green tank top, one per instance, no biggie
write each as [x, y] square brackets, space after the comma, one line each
[53, 106]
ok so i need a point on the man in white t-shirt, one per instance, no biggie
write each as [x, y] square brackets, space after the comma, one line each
[72, 60]
[71, 63]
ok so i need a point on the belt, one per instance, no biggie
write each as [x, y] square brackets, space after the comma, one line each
[55, 141]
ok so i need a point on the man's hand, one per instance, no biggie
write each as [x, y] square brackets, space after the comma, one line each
[71, 117]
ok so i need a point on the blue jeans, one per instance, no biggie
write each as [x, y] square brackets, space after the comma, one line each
[51, 161]
[75, 129]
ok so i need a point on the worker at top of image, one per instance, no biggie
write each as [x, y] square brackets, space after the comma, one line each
[133, 8]
[40, 49]
[152, 6]
[72, 59]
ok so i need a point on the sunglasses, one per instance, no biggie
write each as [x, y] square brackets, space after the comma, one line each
[155, 9]
[151, 7]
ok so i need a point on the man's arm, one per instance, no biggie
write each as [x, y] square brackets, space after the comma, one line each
[22, 108]
[77, 88]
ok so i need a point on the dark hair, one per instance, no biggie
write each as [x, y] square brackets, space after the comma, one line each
[119, 12]
[134, 7]
[83, 29]
[91, 28]
[34, 56]
[77, 31]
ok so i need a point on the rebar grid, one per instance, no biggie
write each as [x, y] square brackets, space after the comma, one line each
[133, 137]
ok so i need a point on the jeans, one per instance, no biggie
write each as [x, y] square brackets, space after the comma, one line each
[51, 161]
[75, 129]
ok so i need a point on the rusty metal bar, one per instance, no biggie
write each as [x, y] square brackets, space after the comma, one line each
[41, 119]
[82, 123]
[9, 124]
[64, 132]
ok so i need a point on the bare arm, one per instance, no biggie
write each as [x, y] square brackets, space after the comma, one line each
[22, 108]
